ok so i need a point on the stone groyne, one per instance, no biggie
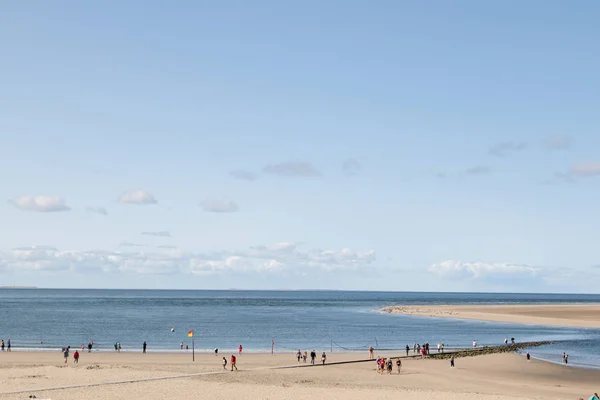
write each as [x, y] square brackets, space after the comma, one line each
[480, 351]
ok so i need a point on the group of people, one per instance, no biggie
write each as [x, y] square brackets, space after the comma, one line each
[66, 351]
[512, 340]
[233, 363]
[3, 345]
[313, 356]
[384, 364]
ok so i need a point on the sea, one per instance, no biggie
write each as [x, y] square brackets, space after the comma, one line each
[262, 321]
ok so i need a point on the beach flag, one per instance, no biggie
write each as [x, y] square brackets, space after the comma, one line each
[191, 333]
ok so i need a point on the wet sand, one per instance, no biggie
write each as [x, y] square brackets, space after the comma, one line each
[572, 315]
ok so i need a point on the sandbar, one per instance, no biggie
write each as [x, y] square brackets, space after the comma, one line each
[566, 315]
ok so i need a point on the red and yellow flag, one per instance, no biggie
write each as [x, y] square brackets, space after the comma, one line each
[191, 333]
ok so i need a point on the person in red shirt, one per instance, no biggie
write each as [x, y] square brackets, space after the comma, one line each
[76, 357]
[233, 362]
[240, 349]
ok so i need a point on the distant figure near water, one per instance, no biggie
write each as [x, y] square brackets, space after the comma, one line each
[144, 347]
[371, 349]
[240, 349]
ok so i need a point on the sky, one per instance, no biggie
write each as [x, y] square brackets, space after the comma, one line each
[389, 145]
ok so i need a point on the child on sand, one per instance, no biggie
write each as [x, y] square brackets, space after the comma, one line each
[66, 354]
[452, 362]
[398, 365]
[233, 362]
[224, 363]
[76, 357]
[323, 358]
[305, 356]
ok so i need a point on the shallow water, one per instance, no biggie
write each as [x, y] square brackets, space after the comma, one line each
[323, 320]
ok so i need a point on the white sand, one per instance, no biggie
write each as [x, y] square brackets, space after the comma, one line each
[497, 377]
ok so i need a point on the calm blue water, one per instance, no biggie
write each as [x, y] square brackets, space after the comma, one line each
[294, 319]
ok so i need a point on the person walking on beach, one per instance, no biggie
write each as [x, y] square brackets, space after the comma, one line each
[76, 357]
[566, 359]
[443, 347]
[323, 358]
[390, 366]
[528, 356]
[144, 347]
[313, 355]
[474, 343]
[398, 365]
[371, 349]
[439, 347]
[415, 348]
[505, 341]
[240, 349]
[233, 362]
[216, 352]
[9, 345]
[299, 355]
[407, 350]
[181, 345]
[2, 344]
[304, 357]
[66, 354]
[115, 346]
[118, 347]
[452, 362]
[224, 364]
[90, 346]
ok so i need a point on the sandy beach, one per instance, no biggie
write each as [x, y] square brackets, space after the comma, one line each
[572, 315]
[493, 377]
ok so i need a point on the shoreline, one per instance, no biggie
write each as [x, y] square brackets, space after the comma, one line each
[580, 315]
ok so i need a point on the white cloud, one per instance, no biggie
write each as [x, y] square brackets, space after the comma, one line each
[243, 175]
[97, 210]
[292, 169]
[137, 196]
[351, 167]
[219, 205]
[481, 270]
[128, 244]
[158, 233]
[478, 170]
[503, 148]
[558, 142]
[585, 170]
[275, 258]
[40, 203]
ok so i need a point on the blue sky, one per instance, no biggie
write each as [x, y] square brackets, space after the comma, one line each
[418, 145]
